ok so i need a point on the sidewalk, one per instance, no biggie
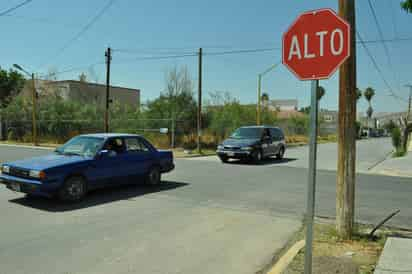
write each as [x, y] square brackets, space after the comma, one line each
[401, 166]
[396, 257]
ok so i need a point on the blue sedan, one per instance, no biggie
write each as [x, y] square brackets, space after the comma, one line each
[87, 162]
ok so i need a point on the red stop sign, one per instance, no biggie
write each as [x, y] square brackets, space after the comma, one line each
[316, 44]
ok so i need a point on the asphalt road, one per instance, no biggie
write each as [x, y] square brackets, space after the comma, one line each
[368, 154]
[207, 217]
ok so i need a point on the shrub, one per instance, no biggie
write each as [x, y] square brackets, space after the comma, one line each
[396, 138]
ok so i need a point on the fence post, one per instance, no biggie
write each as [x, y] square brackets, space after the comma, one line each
[173, 132]
[1, 129]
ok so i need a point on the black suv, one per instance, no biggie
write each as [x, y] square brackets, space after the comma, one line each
[253, 143]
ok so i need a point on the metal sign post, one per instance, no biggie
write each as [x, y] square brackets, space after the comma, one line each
[313, 48]
[310, 210]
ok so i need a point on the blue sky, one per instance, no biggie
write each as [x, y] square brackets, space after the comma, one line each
[34, 33]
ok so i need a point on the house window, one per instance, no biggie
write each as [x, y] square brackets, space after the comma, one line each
[328, 118]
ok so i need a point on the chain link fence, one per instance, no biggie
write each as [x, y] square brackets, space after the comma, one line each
[163, 133]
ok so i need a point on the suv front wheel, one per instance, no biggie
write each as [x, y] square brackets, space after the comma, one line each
[281, 153]
[257, 156]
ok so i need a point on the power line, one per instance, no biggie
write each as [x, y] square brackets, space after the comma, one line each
[71, 69]
[404, 39]
[375, 64]
[395, 28]
[3, 13]
[189, 50]
[241, 51]
[375, 18]
[84, 29]
[155, 58]
[45, 21]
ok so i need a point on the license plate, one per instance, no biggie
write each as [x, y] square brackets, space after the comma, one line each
[15, 187]
[230, 153]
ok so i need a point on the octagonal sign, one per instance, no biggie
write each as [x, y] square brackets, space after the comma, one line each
[316, 44]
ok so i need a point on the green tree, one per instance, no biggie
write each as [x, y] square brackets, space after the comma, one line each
[320, 92]
[358, 94]
[83, 77]
[11, 83]
[407, 5]
[176, 103]
[390, 126]
[369, 93]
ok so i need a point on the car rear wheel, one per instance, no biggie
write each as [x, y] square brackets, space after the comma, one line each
[281, 153]
[74, 189]
[153, 178]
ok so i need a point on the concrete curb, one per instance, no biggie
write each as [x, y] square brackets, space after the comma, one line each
[27, 146]
[287, 258]
[394, 173]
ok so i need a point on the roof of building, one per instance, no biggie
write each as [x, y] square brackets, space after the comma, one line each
[288, 102]
[91, 84]
[109, 135]
[285, 114]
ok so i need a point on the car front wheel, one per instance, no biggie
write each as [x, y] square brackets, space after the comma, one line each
[224, 159]
[153, 178]
[281, 153]
[74, 189]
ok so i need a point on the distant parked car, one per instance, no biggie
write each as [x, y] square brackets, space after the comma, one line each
[253, 143]
[87, 162]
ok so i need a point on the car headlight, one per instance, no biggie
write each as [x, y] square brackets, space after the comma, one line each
[5, 169]
[219, 147]
[247, 148]
[37, 174]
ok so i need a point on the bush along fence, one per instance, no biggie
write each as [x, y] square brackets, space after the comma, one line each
[59, 120]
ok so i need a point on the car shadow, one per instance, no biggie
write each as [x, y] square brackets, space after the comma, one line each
[97, 197]
[268, 161]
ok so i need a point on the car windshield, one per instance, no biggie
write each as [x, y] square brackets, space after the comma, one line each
[82, 146]
[247, 133]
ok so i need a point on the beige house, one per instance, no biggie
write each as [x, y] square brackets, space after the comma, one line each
[84, 92]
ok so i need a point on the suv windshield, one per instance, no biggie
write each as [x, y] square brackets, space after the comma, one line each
[247, 133]
[82, 146]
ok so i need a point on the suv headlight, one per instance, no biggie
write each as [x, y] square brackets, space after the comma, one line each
[247, 148]
[37, 174]
[219, 147]
[5, 169]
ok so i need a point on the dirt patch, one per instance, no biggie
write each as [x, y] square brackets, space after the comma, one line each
[331, 255]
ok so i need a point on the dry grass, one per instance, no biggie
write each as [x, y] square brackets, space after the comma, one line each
[331, 254]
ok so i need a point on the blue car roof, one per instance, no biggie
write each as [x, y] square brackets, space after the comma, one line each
[109, 135]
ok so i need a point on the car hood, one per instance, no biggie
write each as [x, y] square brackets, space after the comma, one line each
[47, 161]
[240, 142]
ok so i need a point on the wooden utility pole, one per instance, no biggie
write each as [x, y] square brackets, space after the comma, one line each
[34, 110]
[108, 55]
[409, 102]
[345, 187]
[199, 104]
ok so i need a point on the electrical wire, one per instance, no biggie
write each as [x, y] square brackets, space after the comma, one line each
[71, 69]
[3, 13]
[128, 60]
[84, 29]
[375, 64]
[241, 51]
[380, 32]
